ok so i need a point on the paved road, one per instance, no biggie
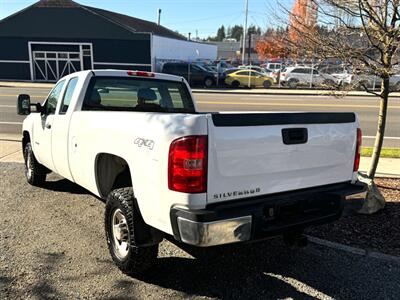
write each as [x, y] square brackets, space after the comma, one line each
[366, 107]
[52, 246]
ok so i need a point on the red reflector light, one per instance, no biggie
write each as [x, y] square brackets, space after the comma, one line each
[358, 151]
[187, 164]
[141, 73]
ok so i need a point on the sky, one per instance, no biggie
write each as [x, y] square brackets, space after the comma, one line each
[185, 16]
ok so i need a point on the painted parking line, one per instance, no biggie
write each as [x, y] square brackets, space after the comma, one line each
[386, 137]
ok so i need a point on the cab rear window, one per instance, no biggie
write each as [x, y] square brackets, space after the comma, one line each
[137, 94]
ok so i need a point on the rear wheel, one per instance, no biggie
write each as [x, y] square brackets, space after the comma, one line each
[267, 84]
[120, 219]
[235, 84]
[34, 171]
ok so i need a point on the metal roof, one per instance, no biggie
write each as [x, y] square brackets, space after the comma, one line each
[127, 22]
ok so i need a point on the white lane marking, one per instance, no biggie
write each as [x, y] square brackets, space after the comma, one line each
[386, 137]
[301, 286]
[11, 123]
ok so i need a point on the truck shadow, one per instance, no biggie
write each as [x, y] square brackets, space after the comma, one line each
[64, 185]
[269, 270]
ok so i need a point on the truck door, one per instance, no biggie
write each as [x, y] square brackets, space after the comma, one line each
[42, 128]
[60, 131]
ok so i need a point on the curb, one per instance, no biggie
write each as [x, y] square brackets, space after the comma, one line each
[354, 250]
[271, 92]
[26, 85]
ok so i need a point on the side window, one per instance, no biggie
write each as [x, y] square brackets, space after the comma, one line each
[52, 99]
[244, 73]
[68, 95]
[182, 69]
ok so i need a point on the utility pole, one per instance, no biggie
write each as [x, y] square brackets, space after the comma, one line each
[249, 50]
[246, 13]
[159, 17]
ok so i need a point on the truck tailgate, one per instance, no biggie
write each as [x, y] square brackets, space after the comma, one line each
[264, 153]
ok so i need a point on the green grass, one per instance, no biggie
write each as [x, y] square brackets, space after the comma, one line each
[386, 152]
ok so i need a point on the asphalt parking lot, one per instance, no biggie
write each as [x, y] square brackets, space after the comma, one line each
[52, 246]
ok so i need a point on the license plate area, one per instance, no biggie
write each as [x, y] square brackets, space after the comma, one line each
[294, 211]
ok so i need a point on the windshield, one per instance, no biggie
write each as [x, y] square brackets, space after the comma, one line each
[137, 94]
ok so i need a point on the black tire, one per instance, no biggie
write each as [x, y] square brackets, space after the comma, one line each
[235, 84]
[267, 84]
[292, 83]
[137, 259]
[208, 82]
[34, 171]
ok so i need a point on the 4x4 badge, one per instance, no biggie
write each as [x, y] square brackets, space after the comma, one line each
[144, 142]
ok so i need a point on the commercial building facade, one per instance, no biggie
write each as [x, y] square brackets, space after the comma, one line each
[53, 38]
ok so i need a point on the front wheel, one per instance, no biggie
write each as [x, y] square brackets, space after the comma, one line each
[292, 83]
[208, 82]
[120, 217]
[34, 172]
[235, 84]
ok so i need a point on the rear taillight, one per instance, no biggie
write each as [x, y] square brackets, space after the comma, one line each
[358, 150]
[140, 73]
[187, 165]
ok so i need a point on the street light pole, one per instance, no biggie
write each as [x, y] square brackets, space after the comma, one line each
[246, 13]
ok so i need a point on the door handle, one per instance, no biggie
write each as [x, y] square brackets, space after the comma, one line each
[48, 126]
[292, 136]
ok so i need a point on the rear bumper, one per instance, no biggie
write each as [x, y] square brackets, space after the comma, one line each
[261, 217]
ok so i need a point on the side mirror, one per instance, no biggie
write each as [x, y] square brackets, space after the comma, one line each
[24, 104]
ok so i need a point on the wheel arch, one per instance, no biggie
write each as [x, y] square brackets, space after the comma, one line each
[111, 172]
[26, 138]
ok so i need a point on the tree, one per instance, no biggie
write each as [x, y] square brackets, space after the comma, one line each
[365, 34]
[237, 32]
[272, 45]
[221, 33]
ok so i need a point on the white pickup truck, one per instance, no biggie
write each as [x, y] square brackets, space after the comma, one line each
[166, 170]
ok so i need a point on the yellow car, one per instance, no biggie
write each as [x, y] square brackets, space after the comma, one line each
[248, 77]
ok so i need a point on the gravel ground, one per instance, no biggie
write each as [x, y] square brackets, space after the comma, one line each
[52, 246]
[378, 232]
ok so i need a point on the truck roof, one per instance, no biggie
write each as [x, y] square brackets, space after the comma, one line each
[128, 73]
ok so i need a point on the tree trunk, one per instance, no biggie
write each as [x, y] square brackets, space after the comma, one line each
[374, 200]
[385, 88]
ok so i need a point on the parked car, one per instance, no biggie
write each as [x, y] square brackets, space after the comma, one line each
[257, 69]
[193, 73]
[248, 77]
[213, 69]
[273, 66]
[136, 140]
[231, 70]
[296, 76]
